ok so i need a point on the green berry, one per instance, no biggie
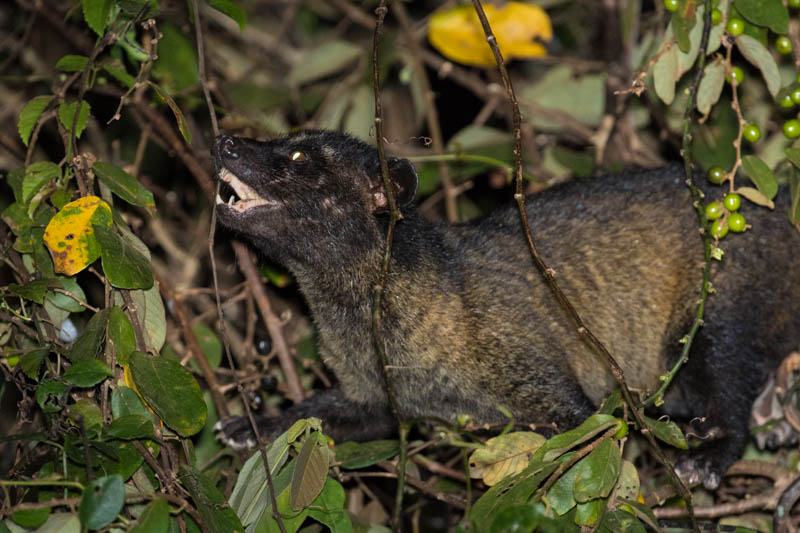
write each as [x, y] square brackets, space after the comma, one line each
[736, 73]
[716, 175]
[713, 210]
[736, 222]
[783, 45]
[791, 128]
[785, 100]
[735, 26]
[751, 132]
[672, 5]
[794, 93]
[793, 3]
[719, 229]
[716, 16]
[732, 201]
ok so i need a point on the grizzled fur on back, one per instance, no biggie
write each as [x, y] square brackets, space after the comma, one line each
[470, 325]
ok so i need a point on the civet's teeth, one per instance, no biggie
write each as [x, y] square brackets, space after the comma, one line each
[230, 200]
[219, 199]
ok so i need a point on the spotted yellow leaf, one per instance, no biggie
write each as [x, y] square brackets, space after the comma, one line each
[70, 237]
[518, 27]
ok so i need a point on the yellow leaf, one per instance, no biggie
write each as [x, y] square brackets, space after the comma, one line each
[518, 27]
[70, 237]
[504, 456]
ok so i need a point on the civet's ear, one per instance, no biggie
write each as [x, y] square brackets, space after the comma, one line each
[403, 179]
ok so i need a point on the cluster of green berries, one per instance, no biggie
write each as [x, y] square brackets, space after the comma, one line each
[724, 215]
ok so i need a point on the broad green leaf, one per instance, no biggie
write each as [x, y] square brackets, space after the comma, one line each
[154, 518]
[711, 85]
[123, 264]
[755, 196]
[72, 63]
[793, 155]
[770, 13]
[310, 471]
[579, 95]
[561, 495]
[120, 337]
[516, 518]
[129, 427]
[101, 502]
[326, 59]
[61, 300]
[682, 23]
[123, 185]
[34, 290]
[328, 508]
[29, 116]
[591, 427]
[90, 341]
[37, 176]
[125, 402]
[59, 523]
[87, 373]
[357, 455]
[209, 343]
[667, 431]
[31, 362]
[597, 472]
[665, 74]
[589, 513]
[619, 520]
[171, 391]
[86, 412]
[31, 518]
[50, 396]
[757, 54]
[66, 115]
[643, 512]
[209, 501]
[95, 13]
[150, 310]
[116, 69]
[70, 235]
[176, 66]
[504, 455]
[760, 174]
[628, 485]
[232, 9]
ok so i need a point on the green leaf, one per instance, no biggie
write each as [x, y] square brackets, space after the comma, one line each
[123, 264]
[209, 501]
[87, 373]
[643, 512]
[88, 344]
[794, 188]
[66, 114]
[589, 513]
[793, 155]
[665, 74]
[559, 444]
[561, 495]
[176, 66]
[31, 518]
[757, 54]
[357, 455]
[125, 401]
[310, 471]
[95, 13]
[326, 59]
[37, 176]
[667, 431]
[57, 523]
[150, 310]
[232, 9]
[116, 69]
[31, 362]
[34, 290]
[619, 520]
[756, 196]
[29, 116]
[760, 174]
[171, 391]
[681, 26]
[516, 518]
[62, 301]
[86, 412]
[120, 337]
[50, 395]
[581, 96]
[101, 502]
[72, 63]
[711, 85]
[130, 427]
[328, 508]
[209, 343]
[597, 472]
[154, 518]
[123, 185]
[770, 13]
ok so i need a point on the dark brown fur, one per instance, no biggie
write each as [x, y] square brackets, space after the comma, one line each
[469, 323]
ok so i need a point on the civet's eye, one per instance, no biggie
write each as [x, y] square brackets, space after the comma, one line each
[298, 156]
